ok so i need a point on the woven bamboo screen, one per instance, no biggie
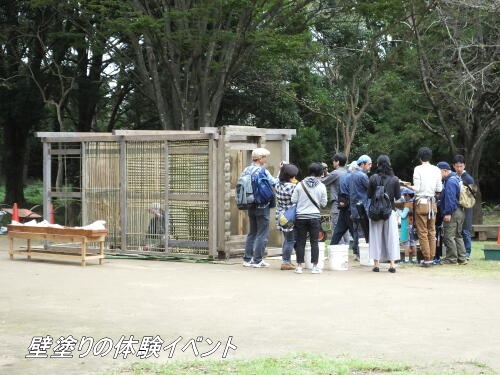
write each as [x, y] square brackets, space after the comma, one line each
[188, 208]
[150, 166]
[101, 187]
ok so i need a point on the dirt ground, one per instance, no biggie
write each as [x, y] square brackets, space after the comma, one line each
[416, 316]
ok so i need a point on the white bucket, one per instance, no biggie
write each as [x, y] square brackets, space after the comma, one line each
[321, 256]
[338, 257]
[364, 255]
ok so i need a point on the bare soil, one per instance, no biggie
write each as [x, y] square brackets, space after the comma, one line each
[422, 317]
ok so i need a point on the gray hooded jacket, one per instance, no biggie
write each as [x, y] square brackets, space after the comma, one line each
[317, 190]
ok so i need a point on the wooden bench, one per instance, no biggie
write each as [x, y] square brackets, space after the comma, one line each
[485, 231]
[71, 235]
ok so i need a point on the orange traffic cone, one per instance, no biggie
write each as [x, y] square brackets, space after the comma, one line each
[15, 213]
[51, 215]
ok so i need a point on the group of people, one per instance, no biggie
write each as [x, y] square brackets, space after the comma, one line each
[432, 198]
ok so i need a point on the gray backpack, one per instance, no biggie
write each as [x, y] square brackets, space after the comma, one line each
[244, 194]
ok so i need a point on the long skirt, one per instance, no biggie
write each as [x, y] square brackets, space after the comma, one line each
[384, 239]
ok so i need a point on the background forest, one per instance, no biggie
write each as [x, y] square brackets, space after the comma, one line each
[354, 76]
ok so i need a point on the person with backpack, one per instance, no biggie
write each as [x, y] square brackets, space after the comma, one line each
[284, 190]
[259, 211]
[383, 188]
[453, 216]
[468, 180]
[309, 196]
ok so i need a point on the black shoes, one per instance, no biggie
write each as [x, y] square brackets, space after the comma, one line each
[377, 269]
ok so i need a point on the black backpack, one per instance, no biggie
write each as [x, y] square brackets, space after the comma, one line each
[380, 206]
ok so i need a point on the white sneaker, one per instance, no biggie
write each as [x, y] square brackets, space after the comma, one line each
[298, 269]
[261, 264]
[315, 270]
[247, 264]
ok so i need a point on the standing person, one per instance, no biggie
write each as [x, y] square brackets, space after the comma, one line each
[332, 182]
[344, 222]
[453, 216]
[258, 216]
[284, 190]
[384, 234]
[407, 235]
[459, 167]
[358, 188]
[309, 196]
[426, 184]
[156, 227]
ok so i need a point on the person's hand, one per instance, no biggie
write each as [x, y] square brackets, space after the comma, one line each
[447, 218]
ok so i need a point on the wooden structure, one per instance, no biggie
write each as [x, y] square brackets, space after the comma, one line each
[190, 175]
[68, 235]
[485, 231]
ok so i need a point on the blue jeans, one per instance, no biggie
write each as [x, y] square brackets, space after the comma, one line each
[467, 241]
[288, 242]
[257, 234]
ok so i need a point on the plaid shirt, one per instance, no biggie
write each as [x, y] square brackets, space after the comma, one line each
[284, 192]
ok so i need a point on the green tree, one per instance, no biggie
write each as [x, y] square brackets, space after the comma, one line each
[353, 40]
[21, 107]
[186, 54]
[458, 54]
[306, 148]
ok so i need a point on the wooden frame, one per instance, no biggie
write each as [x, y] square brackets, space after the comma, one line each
[221, 144]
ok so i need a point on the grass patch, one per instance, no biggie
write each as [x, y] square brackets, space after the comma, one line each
[298, 364]
[477, 265]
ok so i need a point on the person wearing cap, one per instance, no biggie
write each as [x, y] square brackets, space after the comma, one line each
[426, 185]
[358, 188]
[467, 179]
[453, 216]
[258, 216]
[332, 182]
[284, 190]
[407, 234]
[344, 222]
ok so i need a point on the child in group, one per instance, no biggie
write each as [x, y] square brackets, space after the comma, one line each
[407, 235]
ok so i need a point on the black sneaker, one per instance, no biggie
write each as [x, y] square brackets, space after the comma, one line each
[426, 264]
[392, 270]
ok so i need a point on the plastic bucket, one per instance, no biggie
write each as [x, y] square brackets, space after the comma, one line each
[364, 255]
[321, 256]
[338, 257]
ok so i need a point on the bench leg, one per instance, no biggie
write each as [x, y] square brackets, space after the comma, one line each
[84, 252]
[101, 251]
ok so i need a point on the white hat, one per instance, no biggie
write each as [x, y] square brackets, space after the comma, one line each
[259, 153]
